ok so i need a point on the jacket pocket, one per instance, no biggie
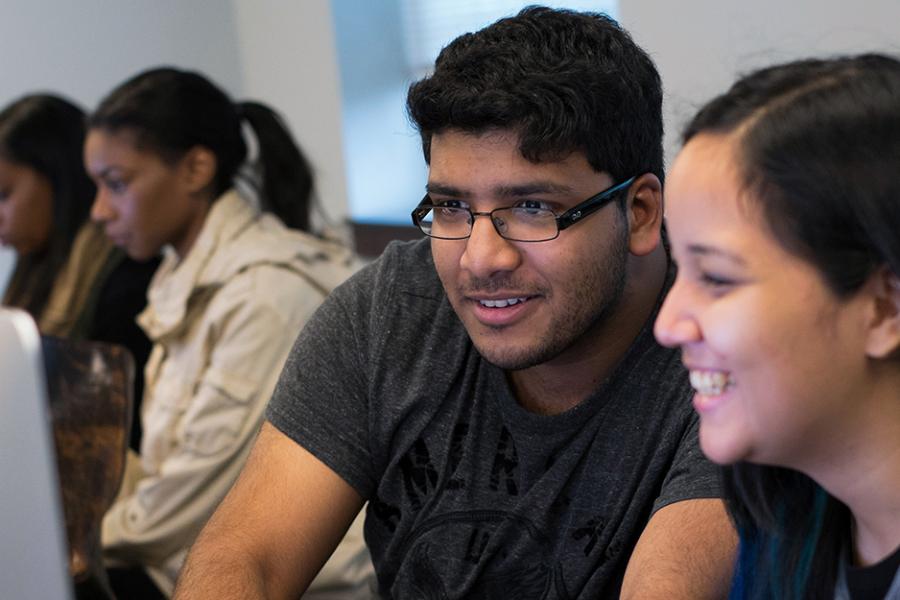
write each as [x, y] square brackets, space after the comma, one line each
[217, 418]
[162, 414]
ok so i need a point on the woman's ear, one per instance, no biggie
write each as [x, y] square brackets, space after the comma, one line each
[645, 214]
[884, 329]
[198, 168]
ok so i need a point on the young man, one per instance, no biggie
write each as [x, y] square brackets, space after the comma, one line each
[495, 392]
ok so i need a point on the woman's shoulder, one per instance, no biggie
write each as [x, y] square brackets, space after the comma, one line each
[275, 275]
[261, 240]
[69, 309]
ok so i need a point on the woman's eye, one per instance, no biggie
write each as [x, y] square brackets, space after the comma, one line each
[115, 185]
[711, 280]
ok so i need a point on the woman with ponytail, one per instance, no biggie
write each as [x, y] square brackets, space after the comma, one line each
[240, 276]
[783, 209]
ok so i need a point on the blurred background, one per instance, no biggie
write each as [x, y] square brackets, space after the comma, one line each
[338, 71]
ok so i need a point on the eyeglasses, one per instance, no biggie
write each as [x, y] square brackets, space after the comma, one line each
[514, 223]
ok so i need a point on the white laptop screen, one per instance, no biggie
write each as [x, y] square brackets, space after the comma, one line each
[32, 535]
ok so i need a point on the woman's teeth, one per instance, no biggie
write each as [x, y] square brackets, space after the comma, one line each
[710, 383]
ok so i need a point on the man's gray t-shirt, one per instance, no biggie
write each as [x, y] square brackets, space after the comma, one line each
[470, 495]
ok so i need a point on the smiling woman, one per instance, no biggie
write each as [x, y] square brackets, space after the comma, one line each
[784, 217]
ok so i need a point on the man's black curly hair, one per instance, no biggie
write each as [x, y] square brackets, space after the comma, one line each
[565, 81]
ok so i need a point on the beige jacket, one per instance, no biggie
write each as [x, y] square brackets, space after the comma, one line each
[222, 322]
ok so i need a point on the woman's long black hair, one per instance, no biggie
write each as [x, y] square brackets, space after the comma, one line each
[171, 111]
[819, 148]
[46, 133]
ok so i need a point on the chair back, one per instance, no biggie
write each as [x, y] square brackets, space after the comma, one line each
[90, 387]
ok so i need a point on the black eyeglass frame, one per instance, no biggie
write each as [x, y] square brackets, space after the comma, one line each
[572, 216]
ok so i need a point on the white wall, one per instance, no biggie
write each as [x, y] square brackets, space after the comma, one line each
[701, 46]
[288, 59]
[82, 49]
[278, 52]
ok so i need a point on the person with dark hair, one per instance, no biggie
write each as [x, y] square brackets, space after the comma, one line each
[238, 280]
[784, 208]
[68, 276]
[494, 390]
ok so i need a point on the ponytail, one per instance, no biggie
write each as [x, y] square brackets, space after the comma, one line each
[287, 181]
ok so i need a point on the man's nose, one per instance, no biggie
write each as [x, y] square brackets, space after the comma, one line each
[487, 252]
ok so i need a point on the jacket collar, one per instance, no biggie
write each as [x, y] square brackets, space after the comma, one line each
[177, 279]
[234, 237]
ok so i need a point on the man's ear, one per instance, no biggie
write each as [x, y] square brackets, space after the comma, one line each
[198, 168]
[884, 328]
[645, 214]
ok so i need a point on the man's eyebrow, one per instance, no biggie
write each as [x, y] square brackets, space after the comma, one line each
[531, 189]
[502, 191]
[445, 190]
[707, 250]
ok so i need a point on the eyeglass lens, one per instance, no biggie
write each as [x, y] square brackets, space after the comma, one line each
[515, 223]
